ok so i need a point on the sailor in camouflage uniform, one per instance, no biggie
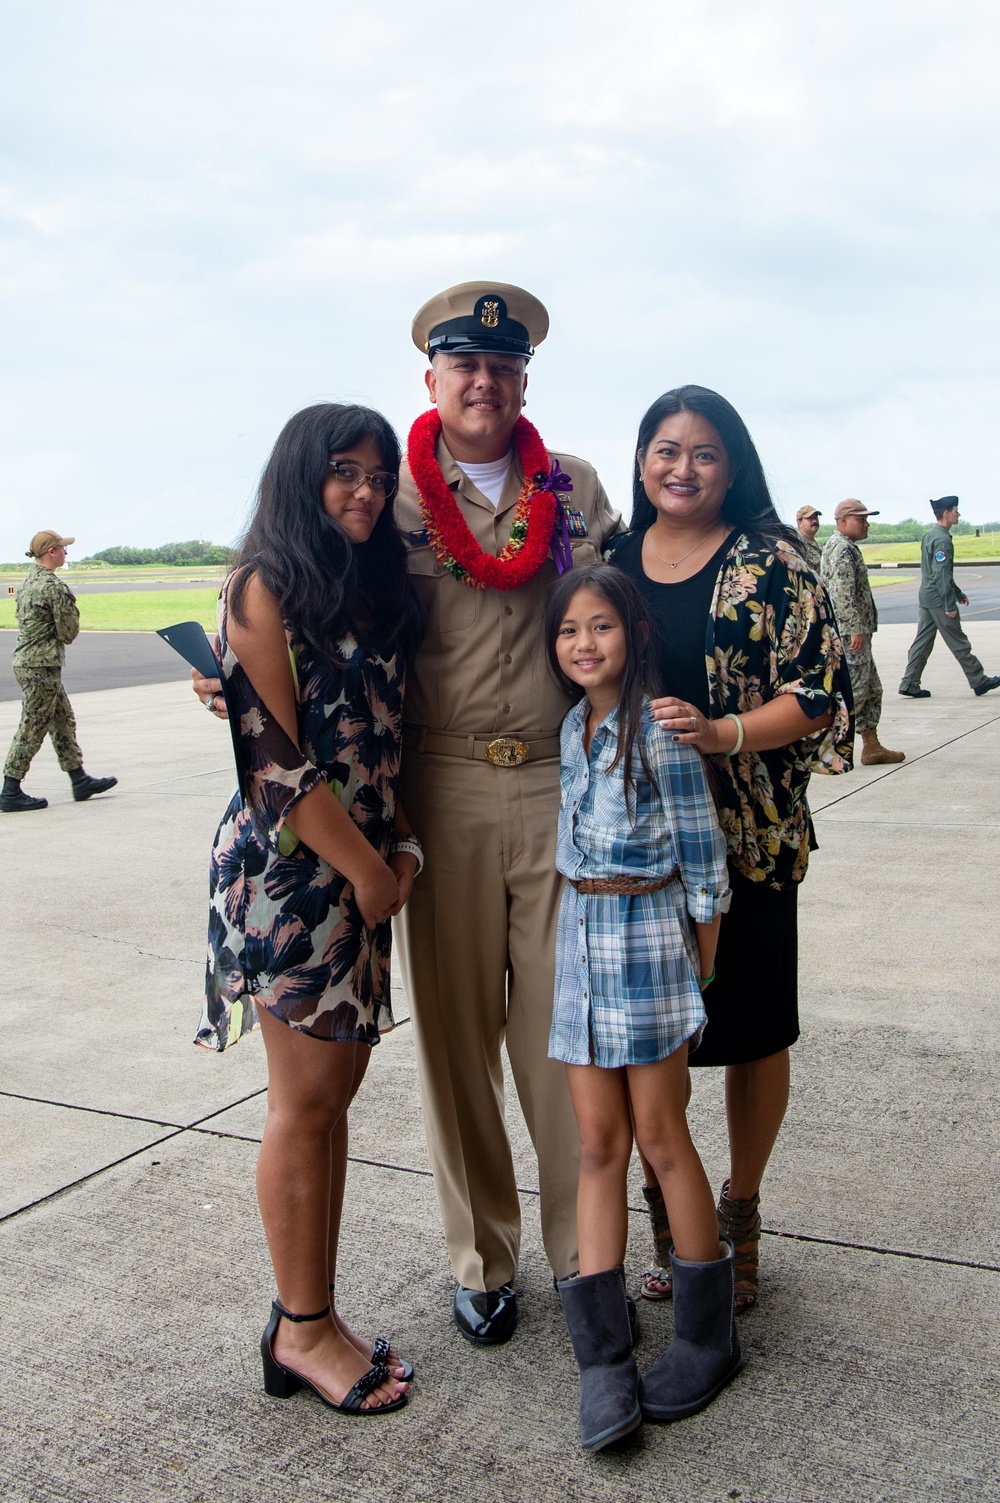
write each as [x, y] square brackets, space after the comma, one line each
[47, 619]
[807, 522]
[939, 601]
[845, 575]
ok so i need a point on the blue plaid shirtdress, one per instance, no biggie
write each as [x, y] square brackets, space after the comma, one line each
[627, 965]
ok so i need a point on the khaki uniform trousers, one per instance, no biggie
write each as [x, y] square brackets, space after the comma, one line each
[45, 711]
[478, 959]
[866, 684]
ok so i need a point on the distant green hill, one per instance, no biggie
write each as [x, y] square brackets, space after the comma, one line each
[195, 552]
[910, 530]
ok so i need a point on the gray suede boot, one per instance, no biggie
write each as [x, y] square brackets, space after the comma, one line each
[597, 1314]
[705, 1352]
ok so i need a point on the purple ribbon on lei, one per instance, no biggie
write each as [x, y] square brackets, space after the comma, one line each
[562, 551]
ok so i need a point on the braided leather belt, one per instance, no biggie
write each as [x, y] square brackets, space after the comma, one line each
[621, 886]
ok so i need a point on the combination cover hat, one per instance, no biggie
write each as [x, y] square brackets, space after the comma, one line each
[851, 509]
[807, 511]
[46, 539]
[481, 318]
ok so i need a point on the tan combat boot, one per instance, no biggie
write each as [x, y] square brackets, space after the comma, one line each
[873, 752]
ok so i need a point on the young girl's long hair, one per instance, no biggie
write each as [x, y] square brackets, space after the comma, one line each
[640, 676]
[748, 505]
[325, 584]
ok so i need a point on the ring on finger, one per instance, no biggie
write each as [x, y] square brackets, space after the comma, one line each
[694, 722]
[210, 704]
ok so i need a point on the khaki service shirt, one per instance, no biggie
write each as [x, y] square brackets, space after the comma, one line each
[47, 619]
[481, 668]
[845, 575]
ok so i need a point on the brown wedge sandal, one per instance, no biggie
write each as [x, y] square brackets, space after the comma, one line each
[657, 1281]
[739, 1220]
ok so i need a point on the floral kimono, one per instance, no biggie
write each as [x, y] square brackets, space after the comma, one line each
[771, 631]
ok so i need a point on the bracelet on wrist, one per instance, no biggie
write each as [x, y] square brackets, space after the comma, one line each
[739, 733]
[704, 981]
[409, 845]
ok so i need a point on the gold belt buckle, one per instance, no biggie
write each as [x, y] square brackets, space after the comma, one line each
[507, 751]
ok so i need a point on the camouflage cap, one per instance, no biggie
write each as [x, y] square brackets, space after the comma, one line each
[46, 539]
[807, 511]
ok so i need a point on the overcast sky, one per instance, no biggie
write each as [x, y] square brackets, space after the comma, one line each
[214, 213]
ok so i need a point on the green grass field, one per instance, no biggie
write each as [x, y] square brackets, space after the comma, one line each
[987, 546]
[136, 610]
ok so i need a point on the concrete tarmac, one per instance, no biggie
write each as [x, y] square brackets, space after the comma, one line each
[135, 1277]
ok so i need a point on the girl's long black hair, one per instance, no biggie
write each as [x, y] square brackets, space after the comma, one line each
[640, 675]
[748, 505]
[325, 584]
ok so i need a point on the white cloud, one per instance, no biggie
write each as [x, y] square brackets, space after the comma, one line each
[218, 212]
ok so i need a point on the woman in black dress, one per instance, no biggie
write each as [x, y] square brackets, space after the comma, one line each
[750, 653]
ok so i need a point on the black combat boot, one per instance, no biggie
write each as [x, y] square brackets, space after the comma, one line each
[12, 799]
[84, 786]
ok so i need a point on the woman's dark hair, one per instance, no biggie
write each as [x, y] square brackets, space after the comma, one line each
[324, 583]
[748, 503]
[639, 677]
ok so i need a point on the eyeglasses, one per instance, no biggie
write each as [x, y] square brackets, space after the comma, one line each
[350, 476]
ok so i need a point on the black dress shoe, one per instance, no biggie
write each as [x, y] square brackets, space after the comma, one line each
[486, 1318]
[915, 693]
[987, 685]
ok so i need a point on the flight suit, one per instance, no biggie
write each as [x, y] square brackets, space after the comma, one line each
[939, 595]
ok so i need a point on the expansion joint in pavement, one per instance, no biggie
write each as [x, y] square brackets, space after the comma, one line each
[201, 1128]
[901, 767]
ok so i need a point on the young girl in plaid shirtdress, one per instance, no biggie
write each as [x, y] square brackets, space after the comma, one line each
[640, 846]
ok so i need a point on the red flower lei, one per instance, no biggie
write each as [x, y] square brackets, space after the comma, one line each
[457, 550]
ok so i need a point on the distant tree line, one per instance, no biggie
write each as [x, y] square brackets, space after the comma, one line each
[194, 552]
[910, 530]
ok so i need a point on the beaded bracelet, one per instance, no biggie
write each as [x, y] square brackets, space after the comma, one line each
[409, 845]
[739, 733]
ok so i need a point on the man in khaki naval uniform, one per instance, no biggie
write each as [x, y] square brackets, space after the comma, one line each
[845, 575]
[480, 786]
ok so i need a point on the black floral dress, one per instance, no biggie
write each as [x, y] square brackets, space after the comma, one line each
[284, 929]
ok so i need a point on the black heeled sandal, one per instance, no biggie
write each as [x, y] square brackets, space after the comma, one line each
[382, 1350]
[281, 1382]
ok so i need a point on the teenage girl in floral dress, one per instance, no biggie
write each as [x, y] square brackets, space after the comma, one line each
[315, 625]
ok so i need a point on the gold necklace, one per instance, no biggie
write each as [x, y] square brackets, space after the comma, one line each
[714, 528]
